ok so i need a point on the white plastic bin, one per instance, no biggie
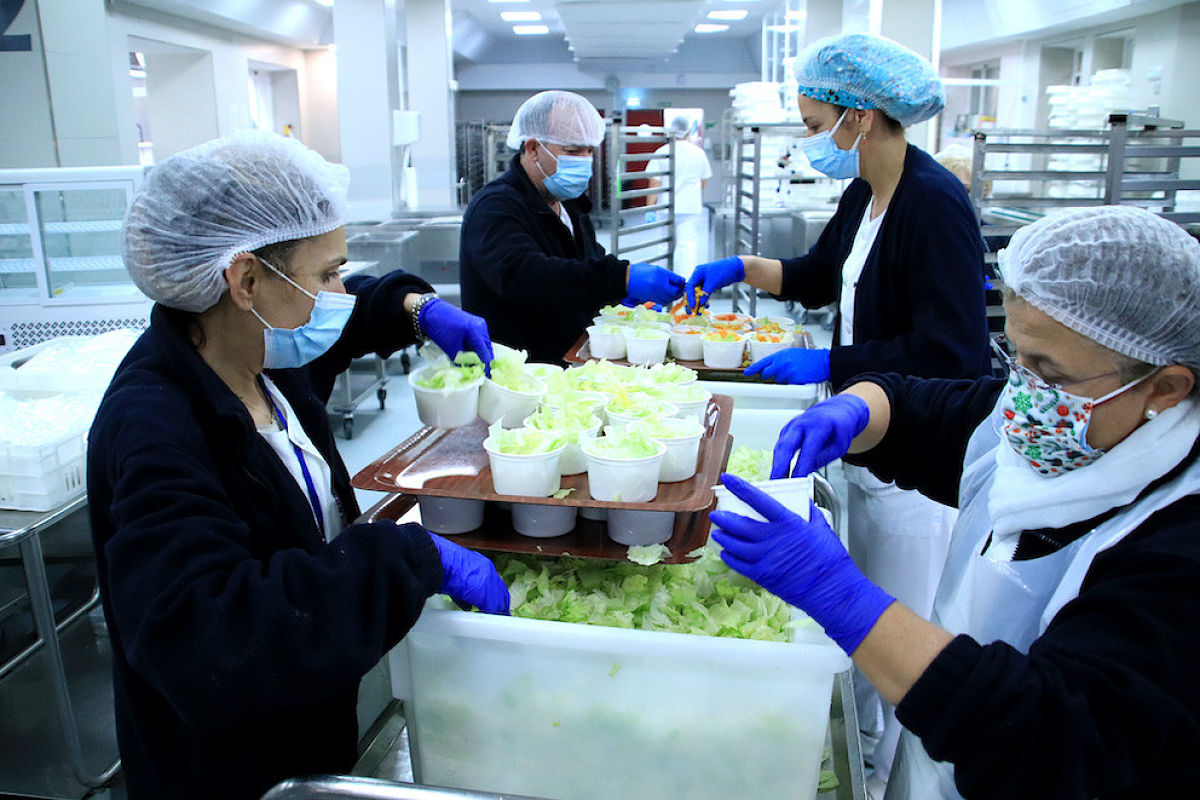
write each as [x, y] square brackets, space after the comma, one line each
[580, 712]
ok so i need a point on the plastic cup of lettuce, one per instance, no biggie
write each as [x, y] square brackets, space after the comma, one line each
[593, 401]
[629, 527]
[646, 345]
[576, 424]
[447, 395]
[723, 349]
[617, 313]
[524, 461]
[542, 521]
[624, 408]
[450, 515]
[670, 373]
[606, 341]
[763, 343]
[686, 344]
[682, 439]
[690, 401]
[623, 467]
[509, 403]
[543, 372]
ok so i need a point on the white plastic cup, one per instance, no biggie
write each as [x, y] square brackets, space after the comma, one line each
[623, 480]
[719, 354]
[629, 527]
[511, 407]
[664, 410]
[450, 515]
[732, 321]
[445, 408]
[605, 345]
[593, 513]
[573, 461]
[542, 521]
[794, 493]
[533, 475]
[687, 346]
[760, 350]
[683, 451]
[645, 348]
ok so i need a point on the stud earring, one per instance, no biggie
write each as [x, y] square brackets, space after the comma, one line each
[1151, 413]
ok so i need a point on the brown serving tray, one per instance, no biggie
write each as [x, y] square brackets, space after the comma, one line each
[580, 353]
[453, 463]
[589, 538]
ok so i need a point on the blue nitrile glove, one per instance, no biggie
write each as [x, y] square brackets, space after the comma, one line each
[629, 302]
[802, 562]
[820, 434]
[712, 277]
[650, 282]
[469, 577]
[793, 365]
[455, 330]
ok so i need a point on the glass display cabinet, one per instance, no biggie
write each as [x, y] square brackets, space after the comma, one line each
[60, 253]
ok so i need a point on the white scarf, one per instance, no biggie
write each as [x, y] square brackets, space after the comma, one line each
[1021, 499]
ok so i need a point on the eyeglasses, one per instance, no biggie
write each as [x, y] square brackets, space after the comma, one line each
[1011, 364]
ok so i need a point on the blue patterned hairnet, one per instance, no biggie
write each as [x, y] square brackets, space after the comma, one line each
[857, 70]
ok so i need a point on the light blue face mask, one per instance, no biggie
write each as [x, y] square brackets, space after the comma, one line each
[571, 175]
[287, 348]
[829, 159]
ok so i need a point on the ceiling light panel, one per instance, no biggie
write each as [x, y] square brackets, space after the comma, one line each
[531, 30]
[708, 27]
[729, 14]
[520, 16]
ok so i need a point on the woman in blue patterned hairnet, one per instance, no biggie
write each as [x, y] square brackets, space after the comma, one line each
[903, 260]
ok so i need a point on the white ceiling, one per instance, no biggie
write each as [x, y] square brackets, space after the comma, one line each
[615, 29]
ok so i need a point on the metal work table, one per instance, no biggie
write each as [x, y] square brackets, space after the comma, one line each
[44, 752]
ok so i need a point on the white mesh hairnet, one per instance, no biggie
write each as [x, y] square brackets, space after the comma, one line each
[563, 118]
[1119, 275]
[198, 209]
[857, 70]
[679, 127]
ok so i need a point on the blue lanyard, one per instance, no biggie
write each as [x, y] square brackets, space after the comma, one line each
[313, 497]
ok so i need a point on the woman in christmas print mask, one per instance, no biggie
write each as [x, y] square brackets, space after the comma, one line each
[1061, 654]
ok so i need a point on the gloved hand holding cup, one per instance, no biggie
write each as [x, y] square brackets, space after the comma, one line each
[455, 330]
[801, 561]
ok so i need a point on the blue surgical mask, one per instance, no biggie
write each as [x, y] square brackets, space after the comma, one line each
[287, 348]
[826, 157]
[571, 175]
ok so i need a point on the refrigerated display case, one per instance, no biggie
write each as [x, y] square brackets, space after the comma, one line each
[61, 271]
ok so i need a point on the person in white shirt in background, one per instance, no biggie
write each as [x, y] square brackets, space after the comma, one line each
[692, 171]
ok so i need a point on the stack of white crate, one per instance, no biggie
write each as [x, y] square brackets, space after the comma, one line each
[48, 396]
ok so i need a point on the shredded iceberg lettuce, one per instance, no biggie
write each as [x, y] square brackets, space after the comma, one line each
[508, 369]
[701, 597]
[619, 442]
[441, 373]
[669, 428]
[523, 441]
[750, 464]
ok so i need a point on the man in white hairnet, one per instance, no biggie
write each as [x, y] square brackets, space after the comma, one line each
[692, 171]
[529, 262]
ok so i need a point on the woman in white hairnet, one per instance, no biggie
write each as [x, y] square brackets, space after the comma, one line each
[902, 259]
[243, 601]
[529, 262]
[1061, 659]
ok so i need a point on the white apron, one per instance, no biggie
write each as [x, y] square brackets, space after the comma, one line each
[1009, 601]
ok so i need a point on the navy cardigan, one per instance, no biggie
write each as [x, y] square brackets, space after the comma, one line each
[919, 306]
[537, 285]
[1105, 703]
[238, 636]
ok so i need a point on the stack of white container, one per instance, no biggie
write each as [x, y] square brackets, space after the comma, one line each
[49, 394]
[1085, 108]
